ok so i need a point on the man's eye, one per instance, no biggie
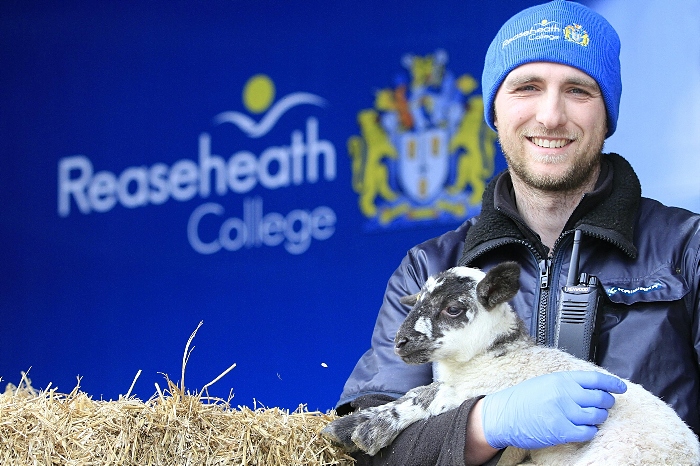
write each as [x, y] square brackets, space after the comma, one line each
[578, 90]
[527, 88]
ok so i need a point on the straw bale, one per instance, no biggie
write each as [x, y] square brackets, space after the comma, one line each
[174, 427]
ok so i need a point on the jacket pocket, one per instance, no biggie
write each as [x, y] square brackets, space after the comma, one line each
[661, 285]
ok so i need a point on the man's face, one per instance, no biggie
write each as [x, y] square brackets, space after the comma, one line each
[551, 123]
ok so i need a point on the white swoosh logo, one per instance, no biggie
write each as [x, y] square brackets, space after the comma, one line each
[256, 129]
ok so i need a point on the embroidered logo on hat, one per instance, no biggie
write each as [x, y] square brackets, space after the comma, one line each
[544, 29]
[576, 33]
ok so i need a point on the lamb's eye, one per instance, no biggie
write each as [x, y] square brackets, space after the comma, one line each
[452, 311]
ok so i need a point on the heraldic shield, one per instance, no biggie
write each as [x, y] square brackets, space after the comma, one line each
[424, 152]
[423, 164]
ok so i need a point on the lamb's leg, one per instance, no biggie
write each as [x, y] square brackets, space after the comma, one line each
[340, 430]
[374, 428]
[386, 422]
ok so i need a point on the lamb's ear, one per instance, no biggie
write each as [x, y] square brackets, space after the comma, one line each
[410, 300]
[499, 285]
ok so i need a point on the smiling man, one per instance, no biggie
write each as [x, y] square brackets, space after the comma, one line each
[551, 123]
[552, 87]
[551, 117]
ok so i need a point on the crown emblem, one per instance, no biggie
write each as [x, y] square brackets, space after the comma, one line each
[576, 33]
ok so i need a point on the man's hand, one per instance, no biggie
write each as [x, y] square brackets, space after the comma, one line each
[549, 410]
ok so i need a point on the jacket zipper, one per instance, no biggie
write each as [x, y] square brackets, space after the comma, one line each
[545, 270]
[546, 320]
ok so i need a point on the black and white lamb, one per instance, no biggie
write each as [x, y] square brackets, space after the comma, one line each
[461, 321]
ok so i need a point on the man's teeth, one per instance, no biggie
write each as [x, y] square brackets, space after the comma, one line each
[550, 143]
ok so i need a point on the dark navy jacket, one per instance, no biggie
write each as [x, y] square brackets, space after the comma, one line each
[645, 254]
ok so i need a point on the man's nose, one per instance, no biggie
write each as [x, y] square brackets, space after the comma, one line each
[551, 112]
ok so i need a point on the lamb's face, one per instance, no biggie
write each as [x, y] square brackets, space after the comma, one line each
[446, 303]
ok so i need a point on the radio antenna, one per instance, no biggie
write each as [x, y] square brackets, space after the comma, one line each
[572, 278]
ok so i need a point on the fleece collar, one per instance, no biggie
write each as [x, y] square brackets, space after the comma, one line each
[609, 213]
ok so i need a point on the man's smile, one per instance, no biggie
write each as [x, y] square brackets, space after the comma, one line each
[549, 143]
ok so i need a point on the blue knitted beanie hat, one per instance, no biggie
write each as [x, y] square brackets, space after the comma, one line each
[563, 32]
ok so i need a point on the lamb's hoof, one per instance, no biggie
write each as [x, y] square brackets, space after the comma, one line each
[340, 430]
[373, 435]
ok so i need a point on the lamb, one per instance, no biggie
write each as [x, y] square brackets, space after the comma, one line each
[461, 321]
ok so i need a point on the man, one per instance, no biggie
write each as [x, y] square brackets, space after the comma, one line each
[551, 87]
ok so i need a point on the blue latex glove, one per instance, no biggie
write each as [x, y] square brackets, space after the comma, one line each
[549, 410]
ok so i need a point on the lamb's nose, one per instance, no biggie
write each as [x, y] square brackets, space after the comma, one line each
[401, 342]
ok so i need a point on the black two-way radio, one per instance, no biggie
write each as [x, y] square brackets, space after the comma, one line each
[576, 331]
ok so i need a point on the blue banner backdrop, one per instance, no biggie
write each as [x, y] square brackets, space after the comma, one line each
[258, 166]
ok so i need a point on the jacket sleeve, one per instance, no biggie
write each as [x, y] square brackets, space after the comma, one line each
[438, 440]
[692, 266]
